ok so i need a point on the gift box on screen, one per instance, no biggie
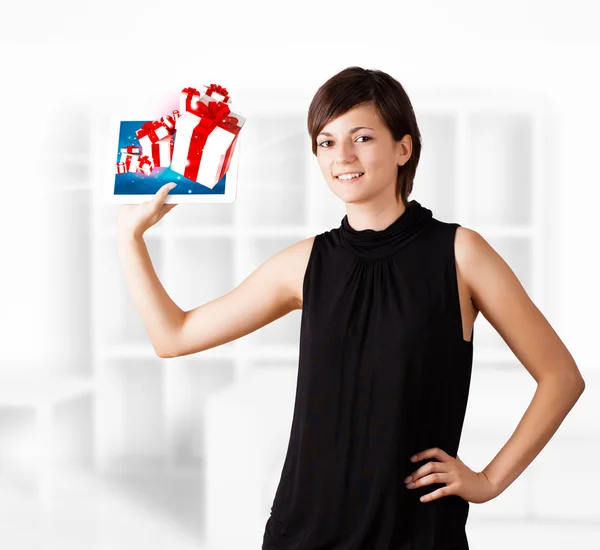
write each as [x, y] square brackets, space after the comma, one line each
[152, 132]
[145, 165]
[130, 156]
[205, 141]
[160, 151]
[169, 121]
[190, 98]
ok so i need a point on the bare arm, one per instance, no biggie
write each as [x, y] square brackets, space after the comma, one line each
[267, 294]
[161, 316]
[499, 295]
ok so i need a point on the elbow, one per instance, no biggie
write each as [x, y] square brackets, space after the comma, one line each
[169, 347]
[165, 353]
[574, 385]
[579, 382]
[577, 385]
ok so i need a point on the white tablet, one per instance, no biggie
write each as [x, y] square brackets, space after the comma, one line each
[132, 187]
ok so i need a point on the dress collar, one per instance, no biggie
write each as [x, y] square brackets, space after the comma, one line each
[371, 243]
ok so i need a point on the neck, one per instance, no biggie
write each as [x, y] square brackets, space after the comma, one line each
[376, 218]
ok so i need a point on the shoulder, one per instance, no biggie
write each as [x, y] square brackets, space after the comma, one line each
[294, 262]
[467, 242]
[471, 251]
[468, 246]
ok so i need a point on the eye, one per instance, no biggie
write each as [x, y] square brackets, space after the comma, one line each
[369, 138]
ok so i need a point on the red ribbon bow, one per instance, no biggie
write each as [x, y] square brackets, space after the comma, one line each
[216, 114]
[190, 91]
[219, 89]
[169, 123]
[149, 129]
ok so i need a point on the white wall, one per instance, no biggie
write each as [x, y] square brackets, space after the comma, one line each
[58, 61]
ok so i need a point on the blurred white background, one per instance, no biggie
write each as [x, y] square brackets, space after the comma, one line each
[63, 63]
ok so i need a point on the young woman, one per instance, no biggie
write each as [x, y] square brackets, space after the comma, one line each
[388, 300]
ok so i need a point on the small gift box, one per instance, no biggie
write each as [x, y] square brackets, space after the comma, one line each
[205, 142]
[161, 151]
[175, 117]
[151, 132]
[169, 122]
[145, 165]
[190, 98]
[130, 156]
[120, 168]
[218, 93]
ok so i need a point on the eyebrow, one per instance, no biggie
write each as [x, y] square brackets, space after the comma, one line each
[351, 131]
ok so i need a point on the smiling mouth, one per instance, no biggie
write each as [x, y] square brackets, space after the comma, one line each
[350, 180]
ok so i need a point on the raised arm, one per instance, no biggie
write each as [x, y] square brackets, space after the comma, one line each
[268, 293]
[160, 315]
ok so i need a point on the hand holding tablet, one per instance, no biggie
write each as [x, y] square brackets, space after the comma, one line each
[136, 219]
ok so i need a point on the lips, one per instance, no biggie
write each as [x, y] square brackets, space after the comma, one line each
[349, 180]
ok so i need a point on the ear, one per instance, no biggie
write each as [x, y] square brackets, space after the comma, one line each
[404, 150]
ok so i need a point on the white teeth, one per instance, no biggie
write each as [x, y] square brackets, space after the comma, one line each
[349, 176]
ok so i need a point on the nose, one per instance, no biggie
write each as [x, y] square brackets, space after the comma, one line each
[345, 153]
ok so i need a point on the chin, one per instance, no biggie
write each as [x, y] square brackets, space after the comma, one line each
[350, 197]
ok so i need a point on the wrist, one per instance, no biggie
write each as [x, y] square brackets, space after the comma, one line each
[130, 235]
[492, 481]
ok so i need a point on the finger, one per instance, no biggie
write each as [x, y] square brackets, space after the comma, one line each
[435, 477]
[161, 194]
[438, 493]
[434, 452]
[430, 467]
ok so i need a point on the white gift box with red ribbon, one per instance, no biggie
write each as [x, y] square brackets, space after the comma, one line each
[145, 165]
[191, 97]
[205, 141]
[152, 133]
[160, 151]
[130, 156]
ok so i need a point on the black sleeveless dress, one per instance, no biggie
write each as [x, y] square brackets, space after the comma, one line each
[384, 373]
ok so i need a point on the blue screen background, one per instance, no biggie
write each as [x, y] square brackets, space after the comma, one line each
[133, 183]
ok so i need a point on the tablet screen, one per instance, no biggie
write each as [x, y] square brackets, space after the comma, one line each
[137, 183]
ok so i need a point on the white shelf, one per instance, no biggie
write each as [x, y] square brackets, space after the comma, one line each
[267, 232]
[38, 391]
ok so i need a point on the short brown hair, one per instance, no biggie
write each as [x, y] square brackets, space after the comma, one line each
[355, 85]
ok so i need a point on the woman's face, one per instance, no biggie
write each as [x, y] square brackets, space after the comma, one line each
[343, 147]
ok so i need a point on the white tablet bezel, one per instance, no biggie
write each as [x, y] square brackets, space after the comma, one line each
[111, 152]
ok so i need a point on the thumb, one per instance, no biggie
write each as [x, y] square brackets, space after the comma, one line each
[161, 194]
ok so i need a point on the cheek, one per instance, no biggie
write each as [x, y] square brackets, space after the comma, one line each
[323, 165]
[372, 159]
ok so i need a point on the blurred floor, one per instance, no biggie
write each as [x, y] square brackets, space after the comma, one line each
[165, 513]
[92, 514]
[488, 534]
